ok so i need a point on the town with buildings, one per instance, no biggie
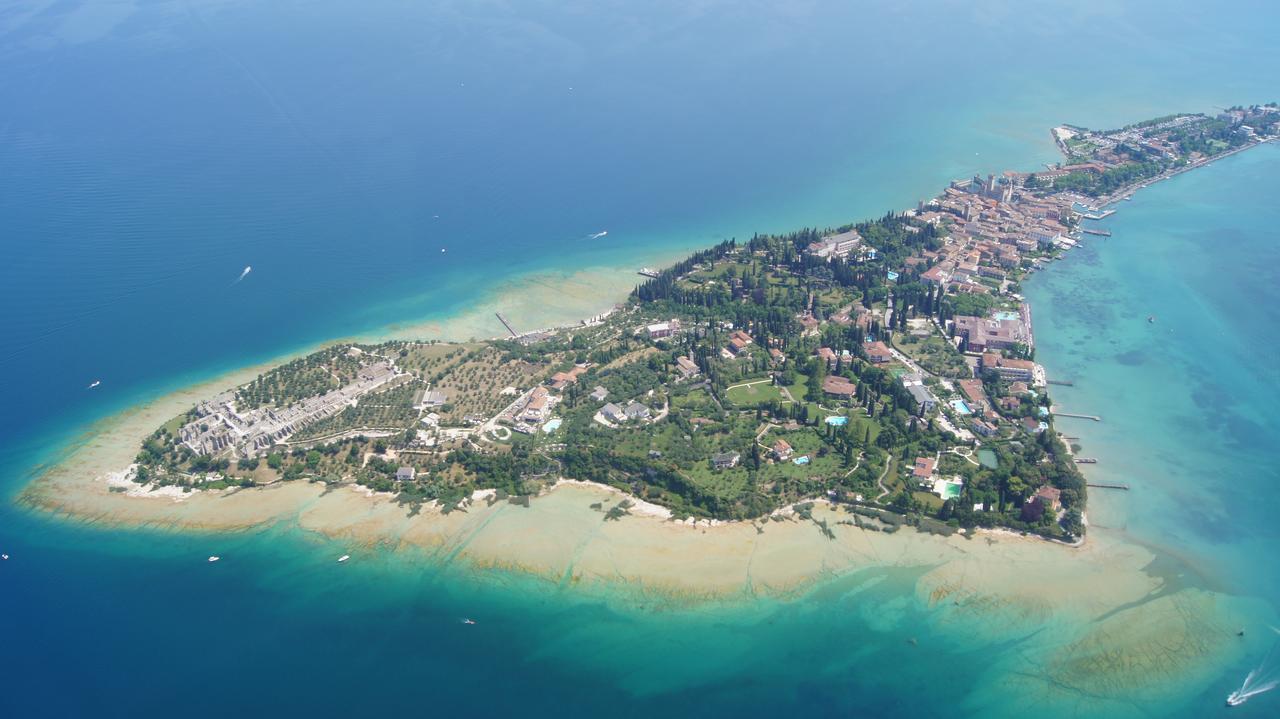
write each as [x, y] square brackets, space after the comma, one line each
[887, 366]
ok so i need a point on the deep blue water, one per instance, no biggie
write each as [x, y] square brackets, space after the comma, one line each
[151, 150]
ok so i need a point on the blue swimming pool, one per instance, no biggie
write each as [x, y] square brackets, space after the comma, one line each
[959, 406]
[837, 421]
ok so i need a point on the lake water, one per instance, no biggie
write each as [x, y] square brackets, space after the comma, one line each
[150, 151]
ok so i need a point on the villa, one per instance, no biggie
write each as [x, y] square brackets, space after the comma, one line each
[687, 367]
[636, 411]
[724, 460]
[923, 470]
[613, 413]
[835, 386]
[878, 353]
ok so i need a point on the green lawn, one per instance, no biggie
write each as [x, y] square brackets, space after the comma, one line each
[929, 500]
[935, 354]
[799, 387]
[754, 394]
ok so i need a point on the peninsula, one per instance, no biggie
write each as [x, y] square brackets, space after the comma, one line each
[885, 369]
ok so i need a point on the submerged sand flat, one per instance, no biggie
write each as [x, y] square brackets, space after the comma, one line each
[1100, 627]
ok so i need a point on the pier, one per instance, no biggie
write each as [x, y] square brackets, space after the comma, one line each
[1061, 382]
[646, 272]
[1085, 460]
[506, 324]
[1100, 233]
[1102, 216]
[1093, 417]
[1104, 485]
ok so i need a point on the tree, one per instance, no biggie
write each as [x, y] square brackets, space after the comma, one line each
[1073, 523]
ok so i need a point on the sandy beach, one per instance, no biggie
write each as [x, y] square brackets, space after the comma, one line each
[1111, 618]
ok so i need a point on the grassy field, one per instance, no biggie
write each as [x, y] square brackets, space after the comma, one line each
[929, 500]
[934, 354]
[751, 395]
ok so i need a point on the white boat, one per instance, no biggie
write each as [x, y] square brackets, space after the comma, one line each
[4, 557]
[343, 558]
[214, 558]
[1235, 699]
[96, 382]
[468, 621]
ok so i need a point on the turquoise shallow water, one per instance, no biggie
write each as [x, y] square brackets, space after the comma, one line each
[1188, 401]
[151, 150]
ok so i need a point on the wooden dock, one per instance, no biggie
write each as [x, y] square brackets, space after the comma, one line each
[1103, 485]
[1061, 382]
[506, 324]
[1093, 417]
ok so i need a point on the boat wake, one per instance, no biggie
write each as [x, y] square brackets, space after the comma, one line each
[1262, 679]
[243, 274]
[597, 235]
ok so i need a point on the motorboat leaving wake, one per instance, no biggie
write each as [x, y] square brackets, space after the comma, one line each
[597, 235]
[1252, 687]
[1260, 680]
[243, 274]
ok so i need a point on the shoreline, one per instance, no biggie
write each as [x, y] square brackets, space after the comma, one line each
[1119, 624]
[567, 297]
[1130, 190]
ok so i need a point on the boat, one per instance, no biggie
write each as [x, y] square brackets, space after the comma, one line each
[4, 557]
[1151, 319]
[95, 383]
[214, 558]
[343, 558]
[1235, 699]
[468, 621]
[648, 272]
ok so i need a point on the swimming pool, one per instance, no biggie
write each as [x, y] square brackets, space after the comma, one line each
[551, 426]
[959, 406]
[801, 460]
[1005, 315]
[947, 488]
[837, 421]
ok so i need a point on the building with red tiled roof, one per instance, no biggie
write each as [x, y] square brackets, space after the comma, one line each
[877, 352]
[1051, 496]
[923, 469]
[838, 387]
